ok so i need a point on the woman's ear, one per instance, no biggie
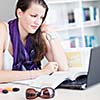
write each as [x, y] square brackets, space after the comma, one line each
[19, 12]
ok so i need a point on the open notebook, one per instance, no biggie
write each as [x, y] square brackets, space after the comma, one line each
[52, 80]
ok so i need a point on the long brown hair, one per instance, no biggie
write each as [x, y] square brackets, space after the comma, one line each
[36, 38]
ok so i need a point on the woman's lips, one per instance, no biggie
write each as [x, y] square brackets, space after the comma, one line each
[34, 27]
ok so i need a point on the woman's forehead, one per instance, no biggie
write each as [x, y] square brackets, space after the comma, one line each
[36, 8]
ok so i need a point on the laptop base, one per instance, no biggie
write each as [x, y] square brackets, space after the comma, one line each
[79, 83]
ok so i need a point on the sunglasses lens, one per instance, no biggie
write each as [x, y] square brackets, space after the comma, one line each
[31, 93]
[47, 93]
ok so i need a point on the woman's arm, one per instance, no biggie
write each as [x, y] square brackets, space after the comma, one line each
[55, 50]
[2, 42]
[49, 54]
[8, 76]
[58, 53]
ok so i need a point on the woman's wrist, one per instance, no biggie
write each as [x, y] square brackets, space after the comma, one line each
[51, 36]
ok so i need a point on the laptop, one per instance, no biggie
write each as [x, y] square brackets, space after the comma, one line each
[93, 76]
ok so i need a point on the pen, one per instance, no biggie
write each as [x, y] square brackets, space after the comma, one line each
[51, 73]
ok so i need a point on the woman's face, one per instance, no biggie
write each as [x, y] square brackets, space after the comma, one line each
[31, 19]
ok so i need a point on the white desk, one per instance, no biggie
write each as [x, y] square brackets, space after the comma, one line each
[92, 93]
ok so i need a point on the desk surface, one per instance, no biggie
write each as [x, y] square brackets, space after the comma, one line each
[92, 93]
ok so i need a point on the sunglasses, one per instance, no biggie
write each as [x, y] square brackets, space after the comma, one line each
[45, 93]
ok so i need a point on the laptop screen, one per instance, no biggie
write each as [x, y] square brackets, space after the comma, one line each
[94, 67]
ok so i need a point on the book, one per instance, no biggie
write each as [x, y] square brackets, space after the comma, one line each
[91, 41]
[75, 41]
[77, 14]
[97, 12]
[78, 60]
[94, 13]
[52, 80]
[74, 58]
[71, 17]
[78, 57]
[86, 14]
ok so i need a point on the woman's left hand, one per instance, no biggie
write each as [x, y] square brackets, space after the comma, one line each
[45, 28]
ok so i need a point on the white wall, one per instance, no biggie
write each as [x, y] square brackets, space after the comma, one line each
[7, 9]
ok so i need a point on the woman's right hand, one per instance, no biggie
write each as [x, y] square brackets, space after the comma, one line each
[50, 68]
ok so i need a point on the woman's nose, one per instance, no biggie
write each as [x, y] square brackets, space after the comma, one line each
[37, 21]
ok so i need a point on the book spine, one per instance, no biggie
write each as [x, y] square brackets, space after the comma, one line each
[92, 13]
[90, 41]
[77, 15]
[71, 17]
[86, 14]
[97, 14]
[76, 41]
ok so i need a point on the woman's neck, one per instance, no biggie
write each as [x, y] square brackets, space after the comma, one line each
[23, 34]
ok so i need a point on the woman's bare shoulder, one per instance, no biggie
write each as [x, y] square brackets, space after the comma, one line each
[3, 25]
[3, 28]
[3, 32]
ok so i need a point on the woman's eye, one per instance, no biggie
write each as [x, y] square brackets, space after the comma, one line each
[33, 15]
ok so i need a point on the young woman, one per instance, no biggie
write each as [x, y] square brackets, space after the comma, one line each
[24, 43]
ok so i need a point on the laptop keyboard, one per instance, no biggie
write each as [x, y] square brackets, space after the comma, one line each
[76, 84]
